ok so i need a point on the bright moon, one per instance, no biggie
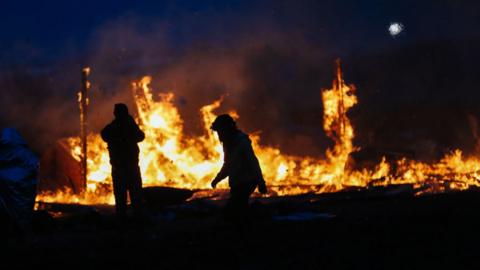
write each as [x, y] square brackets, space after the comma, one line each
[395, 28]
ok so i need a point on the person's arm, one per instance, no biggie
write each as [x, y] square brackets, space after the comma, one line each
[220, 176]
[223, 173]
[140, 135]
[106, 133]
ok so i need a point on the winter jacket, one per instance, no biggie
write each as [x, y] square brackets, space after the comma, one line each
[122, 136]
[240, 163]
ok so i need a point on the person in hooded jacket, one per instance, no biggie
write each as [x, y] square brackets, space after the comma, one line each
[122, 136]
[18, 182]
[240, 165]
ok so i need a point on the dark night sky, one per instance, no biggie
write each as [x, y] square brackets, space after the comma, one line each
[264, 54]
[44, 29]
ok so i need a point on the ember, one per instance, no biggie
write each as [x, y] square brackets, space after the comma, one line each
[171, 158]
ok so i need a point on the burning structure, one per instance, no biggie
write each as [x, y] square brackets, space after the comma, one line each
[171, 158]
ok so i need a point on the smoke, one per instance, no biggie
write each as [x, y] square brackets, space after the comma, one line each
[273, 83]
[31, 104]
[270, 73]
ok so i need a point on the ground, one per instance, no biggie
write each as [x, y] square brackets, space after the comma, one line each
[366, 232]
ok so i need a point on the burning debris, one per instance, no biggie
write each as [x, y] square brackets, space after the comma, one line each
[170, 158]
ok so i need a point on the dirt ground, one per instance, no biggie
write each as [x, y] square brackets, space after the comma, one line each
[337, 232]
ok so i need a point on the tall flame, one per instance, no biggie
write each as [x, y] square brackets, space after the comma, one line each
[170, 158]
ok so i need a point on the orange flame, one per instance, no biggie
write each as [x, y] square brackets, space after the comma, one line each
[170, 158]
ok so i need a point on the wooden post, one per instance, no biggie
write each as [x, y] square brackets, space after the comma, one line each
[83, 104]
[342, 104]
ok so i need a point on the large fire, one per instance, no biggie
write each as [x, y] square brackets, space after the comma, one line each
[170, 158]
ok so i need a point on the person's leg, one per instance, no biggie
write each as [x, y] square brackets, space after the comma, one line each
[135, 189]
[120, 192]
[237, 205]
[244, 206]
[230, 210]
[6, 222]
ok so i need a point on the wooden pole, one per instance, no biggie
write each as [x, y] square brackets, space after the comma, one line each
[342, 104]
[83, 102]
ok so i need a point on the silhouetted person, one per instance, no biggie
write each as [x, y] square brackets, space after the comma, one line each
[122, 136]
[18, 184]
[240, 165]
